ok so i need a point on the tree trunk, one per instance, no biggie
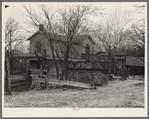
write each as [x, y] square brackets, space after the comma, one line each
[115, 68]
[57, 70]
[110, 64]
[8, 73]
[66, 64]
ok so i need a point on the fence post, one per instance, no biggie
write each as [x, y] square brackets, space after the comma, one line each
[28, 77]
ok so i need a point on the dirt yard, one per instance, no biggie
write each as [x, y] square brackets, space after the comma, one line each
[118, 94]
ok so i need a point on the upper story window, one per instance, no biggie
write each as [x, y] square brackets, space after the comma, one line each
[38, 46]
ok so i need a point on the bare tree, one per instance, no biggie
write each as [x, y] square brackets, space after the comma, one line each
[114, 34]
[47, 19]
[12, 41]
[73, 21]
[69, 22]
[137, 40]
[13, 38]
[137, 29]
[139, 11]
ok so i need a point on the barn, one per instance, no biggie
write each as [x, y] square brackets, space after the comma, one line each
[135, 65]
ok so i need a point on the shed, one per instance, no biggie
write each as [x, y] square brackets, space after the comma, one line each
[135, 65]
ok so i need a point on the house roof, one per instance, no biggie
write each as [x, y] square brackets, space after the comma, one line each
[130, 60]
[32, 56]
[27, 55]
[33, 35]
[76, 39]
[134, 61]
[81, 38]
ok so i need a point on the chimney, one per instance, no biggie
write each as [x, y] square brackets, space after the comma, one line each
[87, 48]
[41, 27]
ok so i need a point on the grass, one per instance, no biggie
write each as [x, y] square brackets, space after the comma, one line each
[118, 94]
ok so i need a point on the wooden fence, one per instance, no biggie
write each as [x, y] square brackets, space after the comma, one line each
[19, 80]
[15, 84]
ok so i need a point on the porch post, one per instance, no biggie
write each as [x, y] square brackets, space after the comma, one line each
[28, 77]
[41, 68]
[134, 72]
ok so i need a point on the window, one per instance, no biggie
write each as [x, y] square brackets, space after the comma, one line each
[38, 65]
[38, 46]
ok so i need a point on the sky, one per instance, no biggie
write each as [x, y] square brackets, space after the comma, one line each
[16, 10]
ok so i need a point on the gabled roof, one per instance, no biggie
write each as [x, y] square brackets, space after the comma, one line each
[134, 61]
[76, 39]
[33, 35]
[81, 38]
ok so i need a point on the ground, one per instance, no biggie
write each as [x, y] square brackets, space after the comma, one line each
[118, 94]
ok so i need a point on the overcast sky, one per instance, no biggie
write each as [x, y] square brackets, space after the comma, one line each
[15, 10]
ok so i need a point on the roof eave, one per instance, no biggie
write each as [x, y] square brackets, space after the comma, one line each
[33, 35]
[91, 39]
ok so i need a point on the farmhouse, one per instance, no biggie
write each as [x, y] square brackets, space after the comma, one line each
[39, 42]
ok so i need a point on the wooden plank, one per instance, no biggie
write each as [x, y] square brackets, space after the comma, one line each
[37, 70]
[78, 85]
[36, 76]
[79, 69]
[14, 86]
[17, 81]
[18, 73]
[39, 79]
[69, 84]
[17, 78]
[86, 70]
